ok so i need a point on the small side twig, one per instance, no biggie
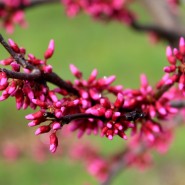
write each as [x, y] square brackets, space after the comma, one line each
[35, 74]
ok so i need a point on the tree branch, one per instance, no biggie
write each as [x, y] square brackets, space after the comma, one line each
[68, 118]
[171, 36]
[178, 104]
[168, 23]
[35, 74]
[56, 80]
[18, 57]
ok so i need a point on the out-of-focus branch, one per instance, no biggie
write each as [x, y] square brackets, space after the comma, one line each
[168, 23]
[171, 36]
[35, 3]
[122, 163]
[162, 14]
[178, 104]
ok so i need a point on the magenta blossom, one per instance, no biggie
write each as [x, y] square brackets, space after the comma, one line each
[11, 13]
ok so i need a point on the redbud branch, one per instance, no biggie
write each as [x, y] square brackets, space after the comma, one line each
[129, 116]
[162, 90]
[170, 35]
[35, 3]
[68, 118]
[18, 57]
[56, 80]
[35, 72]
[178, 104]
[165, 88]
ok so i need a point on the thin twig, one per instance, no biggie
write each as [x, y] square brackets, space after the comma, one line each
[35, 74]
[68, 118]
[178, 104]
[18, 57]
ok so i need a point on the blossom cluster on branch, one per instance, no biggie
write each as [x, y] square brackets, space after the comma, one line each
[85, 104]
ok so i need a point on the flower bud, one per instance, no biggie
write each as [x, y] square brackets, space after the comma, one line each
[14, 46]
[42, 129]
[49, 52]
[53, 142]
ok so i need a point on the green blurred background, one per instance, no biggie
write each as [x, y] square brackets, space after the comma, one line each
[112, 48]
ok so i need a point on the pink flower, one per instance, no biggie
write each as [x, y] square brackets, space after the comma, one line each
[11, 13]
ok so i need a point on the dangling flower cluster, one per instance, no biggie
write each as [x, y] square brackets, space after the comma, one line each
[101, 9]
[11, 13]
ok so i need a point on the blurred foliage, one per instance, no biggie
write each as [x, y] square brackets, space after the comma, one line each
[111, 48]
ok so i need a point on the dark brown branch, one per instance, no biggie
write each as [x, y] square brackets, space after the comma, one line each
[162, 90]
[68, 118]
[18, 57]
[178, 104]
[35, 72]
[34, 75]
[49, 77]
[56, 80]
[165, 88]
[35, 3]
[170, 35]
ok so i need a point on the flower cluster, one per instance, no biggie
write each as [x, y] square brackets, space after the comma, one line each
[176, 58]
[26, 93]
[101, 9]
[11, 13]
[84, 104]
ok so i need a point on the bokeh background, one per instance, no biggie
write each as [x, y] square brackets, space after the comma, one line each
[112, 48]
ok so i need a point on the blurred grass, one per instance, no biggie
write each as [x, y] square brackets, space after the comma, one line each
[112, 49]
